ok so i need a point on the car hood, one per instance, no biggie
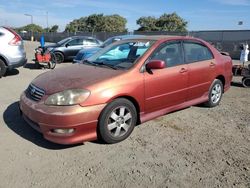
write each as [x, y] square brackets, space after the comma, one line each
[54, 45]
[78, 76]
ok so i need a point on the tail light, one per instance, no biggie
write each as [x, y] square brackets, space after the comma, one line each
[17, 40]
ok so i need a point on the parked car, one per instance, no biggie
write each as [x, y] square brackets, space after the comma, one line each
[109, 93]
[12, 53]
[67, 48]
[86, 53]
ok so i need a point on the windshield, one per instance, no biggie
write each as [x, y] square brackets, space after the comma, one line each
[110, 41]
[63, 41]
[121, 55]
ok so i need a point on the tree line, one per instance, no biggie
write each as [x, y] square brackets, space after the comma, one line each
[116, 23]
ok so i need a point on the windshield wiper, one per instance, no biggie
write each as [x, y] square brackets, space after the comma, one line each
[88, 62]
[99, 63]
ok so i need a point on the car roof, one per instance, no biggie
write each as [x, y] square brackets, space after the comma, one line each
[163, 37]
[85, 37]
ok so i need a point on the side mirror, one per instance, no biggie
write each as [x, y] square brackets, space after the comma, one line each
[67, 45]
[155, 64]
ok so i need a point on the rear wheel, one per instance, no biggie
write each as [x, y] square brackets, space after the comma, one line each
[117, 121]
[246, 82]
[59, 57]
[2, 68]
[215, 94]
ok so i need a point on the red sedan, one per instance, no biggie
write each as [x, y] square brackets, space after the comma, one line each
[125, 84]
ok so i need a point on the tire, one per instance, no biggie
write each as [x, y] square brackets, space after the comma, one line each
[246, 82]
[59, 57]
[215, 94]
[52, 63]
[117, 121]
[3, 68]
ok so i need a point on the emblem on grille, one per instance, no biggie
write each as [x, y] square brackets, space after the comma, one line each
[35, 93]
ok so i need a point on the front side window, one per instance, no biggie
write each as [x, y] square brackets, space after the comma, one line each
[63, 41]
[170, 53]
[76, 42]
[195, 52]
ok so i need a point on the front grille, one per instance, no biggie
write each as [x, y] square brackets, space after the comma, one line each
[34, 93]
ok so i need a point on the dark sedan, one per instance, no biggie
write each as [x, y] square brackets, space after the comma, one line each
[67, 48]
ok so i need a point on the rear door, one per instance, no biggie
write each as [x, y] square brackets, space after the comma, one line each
[166, 87]
[201, 66]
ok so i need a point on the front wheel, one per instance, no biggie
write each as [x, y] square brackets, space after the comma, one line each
[117, 121]
[59, 57]
[215, 94]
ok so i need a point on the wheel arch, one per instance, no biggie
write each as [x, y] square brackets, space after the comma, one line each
[222, 79]
[59, 51]
[4, 60]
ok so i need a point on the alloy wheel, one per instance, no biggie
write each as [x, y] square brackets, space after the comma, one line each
[216, 93]
[119, 121]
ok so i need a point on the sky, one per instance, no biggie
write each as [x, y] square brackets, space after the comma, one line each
[200, 14]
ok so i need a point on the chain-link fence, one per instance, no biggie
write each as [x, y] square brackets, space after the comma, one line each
[228, 41]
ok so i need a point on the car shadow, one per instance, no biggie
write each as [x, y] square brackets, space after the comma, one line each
[32, 66]
[16, 123]
[12, 72]
[236, 84]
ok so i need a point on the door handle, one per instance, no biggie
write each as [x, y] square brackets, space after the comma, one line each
[183, 70]
[212, 64]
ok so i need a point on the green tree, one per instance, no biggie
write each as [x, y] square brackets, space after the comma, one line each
[98, 23]
[115, 23]
[147, 24]
[54, 29]
[172, 22]
[31, 27]
[167, 22]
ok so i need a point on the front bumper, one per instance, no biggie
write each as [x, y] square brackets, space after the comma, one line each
[45, 118]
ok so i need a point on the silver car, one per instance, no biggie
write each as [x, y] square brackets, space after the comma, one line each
[12, 53]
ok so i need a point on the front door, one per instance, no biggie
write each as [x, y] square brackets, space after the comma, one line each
[73, 47]
[166, 87]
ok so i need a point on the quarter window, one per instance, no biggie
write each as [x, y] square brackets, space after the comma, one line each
[90, 42]
[170, 53]
[196, 52]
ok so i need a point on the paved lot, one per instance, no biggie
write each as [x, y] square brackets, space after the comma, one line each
[195, 147]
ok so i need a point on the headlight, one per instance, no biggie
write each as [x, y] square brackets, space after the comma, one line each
[68, 97]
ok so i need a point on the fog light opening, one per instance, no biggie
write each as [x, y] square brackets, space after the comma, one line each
[63, 131]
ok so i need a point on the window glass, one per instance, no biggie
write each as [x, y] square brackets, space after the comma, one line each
[76, 42]
[116, 53]
[122, 55]
[63, 41]
[89, 42]
[170, 53]
[196, 52]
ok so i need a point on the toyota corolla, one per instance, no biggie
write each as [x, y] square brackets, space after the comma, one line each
[123, 85]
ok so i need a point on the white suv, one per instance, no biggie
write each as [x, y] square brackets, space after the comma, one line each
[12, 53]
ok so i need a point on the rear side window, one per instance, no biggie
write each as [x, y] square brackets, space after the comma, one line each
[196, 52]
[90, 42]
